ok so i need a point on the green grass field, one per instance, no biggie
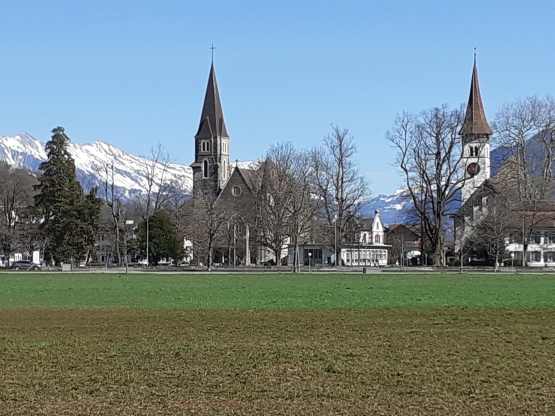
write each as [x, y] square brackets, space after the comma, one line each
[108, 344]
[273, 291]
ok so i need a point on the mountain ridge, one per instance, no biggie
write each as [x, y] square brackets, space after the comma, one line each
[91, 162]
[92, 159]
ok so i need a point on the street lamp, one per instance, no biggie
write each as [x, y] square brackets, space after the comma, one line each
[455, 217]
[127, 223]
[309, 260]
[335, 240]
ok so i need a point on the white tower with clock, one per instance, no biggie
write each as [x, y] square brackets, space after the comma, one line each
[475, 133]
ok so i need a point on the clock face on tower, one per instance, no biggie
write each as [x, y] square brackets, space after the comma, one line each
[473, 169]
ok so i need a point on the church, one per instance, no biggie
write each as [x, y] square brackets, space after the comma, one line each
[237, 187]
[240, 188]
[531, 223]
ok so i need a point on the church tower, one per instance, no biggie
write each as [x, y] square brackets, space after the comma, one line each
[475, 133]
[211, 168]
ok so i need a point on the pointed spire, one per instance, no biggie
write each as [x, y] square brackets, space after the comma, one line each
[475, 121]
[212, 122]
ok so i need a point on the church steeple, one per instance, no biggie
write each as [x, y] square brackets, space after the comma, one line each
[475, 122]
[475, 132]
[211, 168]
[212, 117]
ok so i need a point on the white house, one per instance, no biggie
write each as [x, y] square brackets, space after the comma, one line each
[363, 245]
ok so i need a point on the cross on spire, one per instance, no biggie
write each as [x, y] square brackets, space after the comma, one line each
[212, 48]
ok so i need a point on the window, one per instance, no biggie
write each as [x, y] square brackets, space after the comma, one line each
[476, 151]
[224, 169]
[377, 238]
[314, 253]
[205, 168]
[236, 190]
[471, 149]
[205, 146]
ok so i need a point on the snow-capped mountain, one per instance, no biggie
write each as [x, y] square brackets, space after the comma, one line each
[394, 209]
[91, 162]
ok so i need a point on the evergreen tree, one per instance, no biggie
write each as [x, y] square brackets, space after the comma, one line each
[70, 220]
[164, 241]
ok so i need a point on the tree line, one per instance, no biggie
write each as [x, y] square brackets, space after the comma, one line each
[429, 155]
[299, 196]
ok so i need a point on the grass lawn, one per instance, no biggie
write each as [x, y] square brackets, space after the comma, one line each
[272, 291]
[73, 344]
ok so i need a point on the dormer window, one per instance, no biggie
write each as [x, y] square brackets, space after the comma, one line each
[377, 238]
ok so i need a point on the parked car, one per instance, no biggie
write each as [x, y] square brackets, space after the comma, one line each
[25, 265]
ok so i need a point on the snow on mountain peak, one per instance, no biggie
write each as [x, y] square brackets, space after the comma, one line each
[93, 161]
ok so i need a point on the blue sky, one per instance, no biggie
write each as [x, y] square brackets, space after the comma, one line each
[133, 73]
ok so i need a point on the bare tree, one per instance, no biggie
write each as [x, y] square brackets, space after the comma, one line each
[338, 186]
[285, 207]
[156, 185]
[429, 155]
[494, 227]
[302, 206]
[179, 205]
[113, 200]
[526, 128]
[16, 197]
[207, 225]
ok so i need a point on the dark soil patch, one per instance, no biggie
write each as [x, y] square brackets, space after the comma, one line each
[368, 361]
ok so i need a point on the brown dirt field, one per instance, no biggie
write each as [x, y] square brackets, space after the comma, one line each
[420, 361]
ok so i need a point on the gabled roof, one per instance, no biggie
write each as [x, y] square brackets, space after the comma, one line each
[475, 121]
[413, 228]
[212, 122]
[250, 176]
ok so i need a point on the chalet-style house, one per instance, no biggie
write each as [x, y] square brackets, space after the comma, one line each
[365, 245]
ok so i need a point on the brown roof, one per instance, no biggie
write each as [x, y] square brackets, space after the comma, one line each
[414, 228]
[212, 122]
[475, 121]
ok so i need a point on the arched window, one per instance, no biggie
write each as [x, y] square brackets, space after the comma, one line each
[236, 190]
[224, 169]
[476, 151]
[471, 151]
[205, 168]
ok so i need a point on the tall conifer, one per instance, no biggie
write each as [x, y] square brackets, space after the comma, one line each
[69, 218]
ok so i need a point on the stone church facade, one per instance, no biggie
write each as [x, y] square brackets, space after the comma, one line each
[236, 187]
